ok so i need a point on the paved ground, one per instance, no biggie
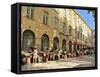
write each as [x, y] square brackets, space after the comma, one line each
[83, 61]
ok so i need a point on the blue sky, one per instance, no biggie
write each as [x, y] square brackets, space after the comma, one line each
[87, 17]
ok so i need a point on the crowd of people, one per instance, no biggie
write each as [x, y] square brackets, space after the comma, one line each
[32, 55]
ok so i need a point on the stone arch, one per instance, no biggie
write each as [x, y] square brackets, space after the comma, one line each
[44, 42]
[28, 39]
[55, 43]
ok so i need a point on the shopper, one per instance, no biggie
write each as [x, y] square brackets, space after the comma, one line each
[35, 55]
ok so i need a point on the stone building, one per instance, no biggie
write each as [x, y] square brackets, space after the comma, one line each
[54, 28]
[93, 39]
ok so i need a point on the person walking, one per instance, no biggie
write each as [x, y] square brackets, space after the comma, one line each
[35, 55]
[31, 50]
[59, 54]
[78, 52]
[46, 55]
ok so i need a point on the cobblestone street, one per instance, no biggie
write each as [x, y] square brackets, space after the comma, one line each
[82, 61]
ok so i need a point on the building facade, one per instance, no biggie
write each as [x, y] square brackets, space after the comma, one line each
[93, 39]
[54, 28]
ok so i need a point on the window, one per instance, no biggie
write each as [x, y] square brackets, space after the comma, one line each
[64, 44]
[81, 36]
[78, 33]
[55, 43]
[64, 27]
[28, 39]
[45, 18]
[56, 22]
[70, 46]
[44, 42]
[70, 30]
[30, 12]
